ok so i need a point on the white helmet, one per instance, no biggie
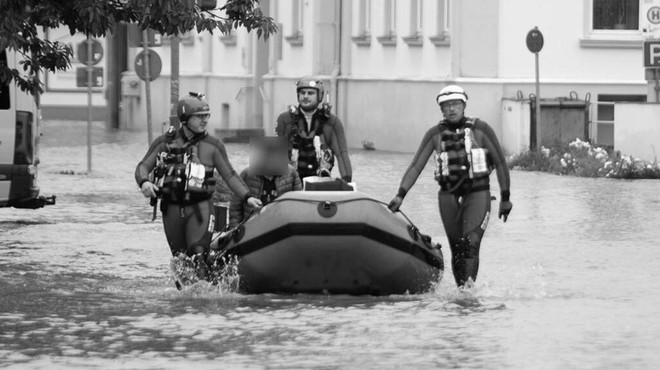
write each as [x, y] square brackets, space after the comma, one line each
[451, 92]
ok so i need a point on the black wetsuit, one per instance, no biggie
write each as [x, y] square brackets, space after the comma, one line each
[187, 217]
[464, 210]
[292, 125]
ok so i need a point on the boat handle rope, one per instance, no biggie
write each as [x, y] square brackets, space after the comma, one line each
[412, 225]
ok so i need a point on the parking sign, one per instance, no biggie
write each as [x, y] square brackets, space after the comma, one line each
[652, 53]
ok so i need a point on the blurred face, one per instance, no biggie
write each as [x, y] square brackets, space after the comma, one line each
[453, 110]
[197, 122]
[268, 156]
[308, 99]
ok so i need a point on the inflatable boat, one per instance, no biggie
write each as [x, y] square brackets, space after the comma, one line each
[330, 242]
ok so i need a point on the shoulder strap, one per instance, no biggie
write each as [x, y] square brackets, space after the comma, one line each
[170, 134]
[470, 121]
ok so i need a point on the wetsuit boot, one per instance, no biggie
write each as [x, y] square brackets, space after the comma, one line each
[465, 261]
[198, 257]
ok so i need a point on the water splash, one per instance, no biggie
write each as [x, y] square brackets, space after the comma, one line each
[218, 274]
[224, 273]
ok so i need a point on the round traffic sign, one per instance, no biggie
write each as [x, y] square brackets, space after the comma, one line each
[155, 65]
[534, 40]
[653, 14]
[97, 52]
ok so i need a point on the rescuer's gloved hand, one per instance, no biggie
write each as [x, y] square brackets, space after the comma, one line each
[254, 203]
[395, 203]
[505, 209]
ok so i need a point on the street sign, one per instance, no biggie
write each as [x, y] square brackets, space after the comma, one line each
[155, 65]
[136, 37]
[651, 53]
[653, 14]
[534, 40]
[97, 52]
[97, 77]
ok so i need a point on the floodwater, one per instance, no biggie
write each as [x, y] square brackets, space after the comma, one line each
[568, 282]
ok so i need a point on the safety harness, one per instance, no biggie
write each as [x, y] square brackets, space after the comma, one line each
[460, 162]
[179, 175]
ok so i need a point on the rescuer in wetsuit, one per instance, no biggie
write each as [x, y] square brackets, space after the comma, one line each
[315, 134]
[467, 150]
[184, 160]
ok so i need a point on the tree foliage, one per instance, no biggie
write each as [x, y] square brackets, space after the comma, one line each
[23, 18]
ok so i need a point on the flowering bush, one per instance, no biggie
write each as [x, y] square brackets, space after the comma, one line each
[581, 158]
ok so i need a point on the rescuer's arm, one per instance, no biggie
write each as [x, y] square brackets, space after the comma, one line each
[236, 207]
[145, 167]
[496, 156]
[415, 168]
[227, 172]
[339, 147]
[281, 128]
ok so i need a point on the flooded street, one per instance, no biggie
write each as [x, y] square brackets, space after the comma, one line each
[568, 282]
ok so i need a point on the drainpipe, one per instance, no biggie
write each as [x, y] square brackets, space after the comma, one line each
[336, 70]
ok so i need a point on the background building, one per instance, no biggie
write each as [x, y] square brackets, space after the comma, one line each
[385, 60]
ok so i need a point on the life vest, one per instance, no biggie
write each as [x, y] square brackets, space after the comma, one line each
[309, 152]
[459, 159]
[179, 174]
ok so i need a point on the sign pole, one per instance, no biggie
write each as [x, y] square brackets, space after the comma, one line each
[89, 102]
[538, 95]
[174, 82]
[147, 82]
[534, 43]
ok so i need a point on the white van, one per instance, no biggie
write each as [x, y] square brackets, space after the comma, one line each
[19, 139]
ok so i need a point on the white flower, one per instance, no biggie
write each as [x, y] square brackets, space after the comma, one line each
[563, 162]
[545, 151]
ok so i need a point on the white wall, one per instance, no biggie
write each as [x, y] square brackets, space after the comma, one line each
[637, 130]
[296, 60]
[402, 60]
[563, 24]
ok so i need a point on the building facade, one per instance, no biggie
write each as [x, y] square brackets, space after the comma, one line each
[384, 62]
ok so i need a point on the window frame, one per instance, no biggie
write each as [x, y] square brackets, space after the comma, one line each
[611, 38]
[416, 26]
[442, 35]
[388, 37]
[296, 38]
[363, 36]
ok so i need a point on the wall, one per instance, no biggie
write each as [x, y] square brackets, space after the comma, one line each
[220, 90]
[564, 24]
[402, 60]
[637, 130]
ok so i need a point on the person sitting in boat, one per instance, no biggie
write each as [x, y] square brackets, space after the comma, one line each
[467, 151]
[182, 161]
[315, 135]
[269, 175]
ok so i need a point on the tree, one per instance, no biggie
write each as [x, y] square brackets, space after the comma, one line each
[22, 19]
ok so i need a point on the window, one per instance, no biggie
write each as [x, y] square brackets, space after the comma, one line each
[613, 23]
[442, 25]
[615, 15]
[5, 102]
[363, 36]
[603, 128]
[414, 37]
[297, 21]
[388, 37]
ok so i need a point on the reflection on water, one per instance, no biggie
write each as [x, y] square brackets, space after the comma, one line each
[566, 283]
